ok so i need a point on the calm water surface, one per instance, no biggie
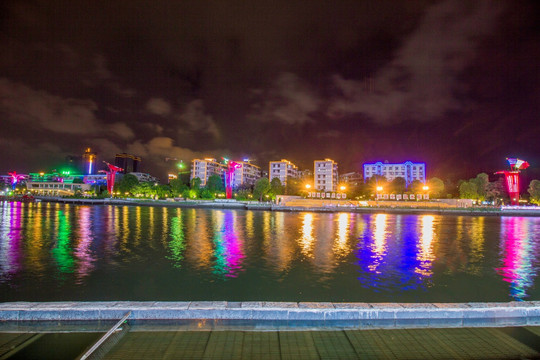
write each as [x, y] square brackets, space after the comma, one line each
[54, 252]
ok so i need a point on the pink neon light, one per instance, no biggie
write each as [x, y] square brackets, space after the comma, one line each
[15, 178]
[229, 177]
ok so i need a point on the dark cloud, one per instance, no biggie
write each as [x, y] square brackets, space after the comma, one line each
[422, 82]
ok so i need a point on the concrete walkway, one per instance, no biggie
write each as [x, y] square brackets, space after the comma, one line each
[281, 315]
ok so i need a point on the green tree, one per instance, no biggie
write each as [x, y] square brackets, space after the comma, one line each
[162, 191]
[261, 188]
[496, 191]
[370, 187]
[275, 187]
[126, 184]
[468, 190]
[416, 187]
[215, 184]
[481, 181]
[177, 187]
[397, 185]
[436, 187]
[195, 183]
[145, 189]
[207, 194]
[293, 186]
[243, 194]
[534, 191]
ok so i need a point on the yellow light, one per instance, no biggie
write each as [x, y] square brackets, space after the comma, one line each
[308, 186]
[342, 187]
[425, 187]
[379, 188]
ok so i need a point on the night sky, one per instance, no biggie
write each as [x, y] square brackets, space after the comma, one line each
[455, 84]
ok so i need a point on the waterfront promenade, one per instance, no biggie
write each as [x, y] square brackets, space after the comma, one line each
[261, 315]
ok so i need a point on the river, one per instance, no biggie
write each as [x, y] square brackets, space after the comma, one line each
[61, 252]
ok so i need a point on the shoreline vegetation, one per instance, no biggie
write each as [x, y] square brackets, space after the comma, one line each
[431, 207]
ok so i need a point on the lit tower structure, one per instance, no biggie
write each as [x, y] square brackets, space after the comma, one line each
[15, 178]
[229, 176]
[512, 178]
[111, 174]
[89, 158]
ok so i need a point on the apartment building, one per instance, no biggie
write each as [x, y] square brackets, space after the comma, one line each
[204, 168]
[281, 170]
[325, 175]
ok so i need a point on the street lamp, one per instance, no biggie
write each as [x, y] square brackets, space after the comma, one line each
[425, 188]
[342, 187]
[379, 188]
[308, 186]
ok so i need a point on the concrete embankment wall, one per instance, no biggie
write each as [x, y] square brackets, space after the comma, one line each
[286, 314]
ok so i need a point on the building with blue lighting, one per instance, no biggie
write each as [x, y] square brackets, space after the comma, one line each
[408, 170]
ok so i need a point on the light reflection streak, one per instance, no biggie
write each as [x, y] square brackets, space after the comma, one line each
[477, 245]
[518, 253]
[36, 255]
[151, 226]
[379, 241]
[425, 255]
[250, 233]
[228, 247]
[10, 241]
[279, 246]
[341, 247]
[165, 224]
[62, 250]
[306, 239]
[138, 228]
[199, 249]
[125, 226]
[82, 251]
[177, 244]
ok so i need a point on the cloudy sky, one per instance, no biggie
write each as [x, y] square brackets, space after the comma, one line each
[455, 84]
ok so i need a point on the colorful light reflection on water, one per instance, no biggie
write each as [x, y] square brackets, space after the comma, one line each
[66, 252]
[519, 252]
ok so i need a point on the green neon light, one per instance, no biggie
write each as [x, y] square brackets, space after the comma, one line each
[62, 252]
[177, 245]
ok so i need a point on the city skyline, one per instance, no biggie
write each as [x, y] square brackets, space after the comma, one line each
[454, 84]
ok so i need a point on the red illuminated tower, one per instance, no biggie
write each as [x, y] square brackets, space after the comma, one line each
[229, 177]
[512, 178]
[111, 174]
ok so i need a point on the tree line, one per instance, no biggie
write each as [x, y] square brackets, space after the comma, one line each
[478, 188]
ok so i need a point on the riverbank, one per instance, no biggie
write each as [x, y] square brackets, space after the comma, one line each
[326, 207]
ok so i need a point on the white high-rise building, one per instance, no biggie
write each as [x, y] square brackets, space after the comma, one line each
[408, 170]
[247, 174]
[281, 170]
[325, 175]
[204, 168]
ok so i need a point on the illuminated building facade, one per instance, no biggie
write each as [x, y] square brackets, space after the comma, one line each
[282, 170]
[408, 170]
[204, 168]
[55, 188]
[128, 162]
[325, 175]
[246, 174]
